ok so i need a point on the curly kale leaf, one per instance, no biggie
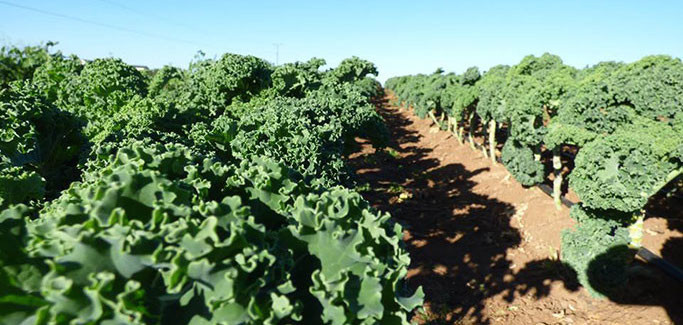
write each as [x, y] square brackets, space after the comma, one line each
[653, 85]
[103, 87]
[597, 249]
[519, 160]
[40, 146]
[214, 85]
[622, 170]
[158, 234]
[18, 64]
[297, 79]
[491, 104]
[350, 70]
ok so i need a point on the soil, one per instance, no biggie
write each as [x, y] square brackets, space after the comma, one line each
[486, 250]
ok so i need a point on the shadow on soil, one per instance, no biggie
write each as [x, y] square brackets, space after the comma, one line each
[457, 239]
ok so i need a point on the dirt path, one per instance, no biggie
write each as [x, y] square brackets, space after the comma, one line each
[484, 248]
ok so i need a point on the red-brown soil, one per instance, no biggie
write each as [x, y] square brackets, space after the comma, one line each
[485, 249]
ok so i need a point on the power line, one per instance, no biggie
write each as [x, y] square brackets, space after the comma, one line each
[148, 15]
[92, 22]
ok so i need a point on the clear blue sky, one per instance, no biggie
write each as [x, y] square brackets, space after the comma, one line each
[401, 37]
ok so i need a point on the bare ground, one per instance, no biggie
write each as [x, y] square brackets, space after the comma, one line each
[485, 249]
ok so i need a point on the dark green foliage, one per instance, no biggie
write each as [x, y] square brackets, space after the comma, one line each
[535, 88]
[310, 135]
[167, 83]
[205, 197]
[20, 64]
[461, 96]
[294, 132]
[39, 146]
[491, 104]
[471, 76]
[297, 79]
[430, 100]
[19, 185]
[103, 87]
[351, 105]
[160, 235]
[369, 88]
[597, 249]
[590, 109]
[653, 85]
[622, 170]
[350, 70]
[20, 275]
[53, 78]
[519, 161]
[591, 106]
[138, 118]
[214, 85]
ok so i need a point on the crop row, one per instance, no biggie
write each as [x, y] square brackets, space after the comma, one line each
[625, 121]
[216, 194]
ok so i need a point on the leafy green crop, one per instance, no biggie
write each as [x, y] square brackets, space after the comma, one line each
[160, 235]
[519, 160]
[491, 104]
[53, 78]
[103, 87]
[622, 170]
[39, 146]
[297, 79]
[597, 249]
[310, 135]
[624, 119]
[167, 83]
[19, 64]
[208, 195]
[350, 70]
[214, 85]
[653, 85]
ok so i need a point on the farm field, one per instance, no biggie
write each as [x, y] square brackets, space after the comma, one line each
[240, 191]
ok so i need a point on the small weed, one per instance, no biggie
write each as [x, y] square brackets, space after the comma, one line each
[438, 317]
[393, 153]
[370, 160]
[395, 188]
[363, 188]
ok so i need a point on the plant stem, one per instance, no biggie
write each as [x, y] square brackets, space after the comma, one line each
[557, 182]
[492, 140]
[431, 114]
[635, 231]
[471, 135]
[484, 123]
[455, 129]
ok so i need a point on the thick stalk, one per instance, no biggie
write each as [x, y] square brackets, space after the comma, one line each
[471, 135]
[537, 153]
[431, 114]
[635, 231]
[672, 175]
[456, 131]
[492, 140]
[557, 182]
[484, 123]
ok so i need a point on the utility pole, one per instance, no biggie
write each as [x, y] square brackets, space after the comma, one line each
[277, 52]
